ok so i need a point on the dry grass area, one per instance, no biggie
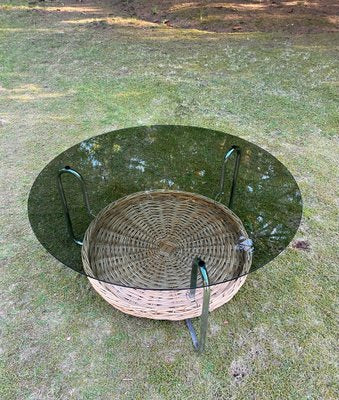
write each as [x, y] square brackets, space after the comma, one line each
[63, 80]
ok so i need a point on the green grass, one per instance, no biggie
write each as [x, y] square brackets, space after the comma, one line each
[62, 83]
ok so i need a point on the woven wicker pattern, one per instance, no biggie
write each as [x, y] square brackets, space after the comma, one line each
[148, 240]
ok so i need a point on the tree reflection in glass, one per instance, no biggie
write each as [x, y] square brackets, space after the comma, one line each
[267, 198]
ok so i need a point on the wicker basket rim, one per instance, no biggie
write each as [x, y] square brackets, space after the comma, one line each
[169, 191]
[133, 195]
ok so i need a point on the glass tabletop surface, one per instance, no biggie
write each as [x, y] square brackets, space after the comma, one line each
[266, 199]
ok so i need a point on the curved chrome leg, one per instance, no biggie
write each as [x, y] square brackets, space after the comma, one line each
[69, 170]
[198, 263]
[221, 192]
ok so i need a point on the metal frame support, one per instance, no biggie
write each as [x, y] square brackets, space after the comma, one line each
[199, 264]
[227, 155]
[69, 170]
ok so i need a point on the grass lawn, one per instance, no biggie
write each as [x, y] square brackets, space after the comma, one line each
[66, 76]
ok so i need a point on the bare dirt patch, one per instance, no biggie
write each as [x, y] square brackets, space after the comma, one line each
[293, 16]
[239, 370]
[290, 16]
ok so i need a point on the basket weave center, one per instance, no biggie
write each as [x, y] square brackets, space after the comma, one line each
[166, 247]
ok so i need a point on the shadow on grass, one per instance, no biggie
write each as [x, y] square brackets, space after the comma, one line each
[295, 17]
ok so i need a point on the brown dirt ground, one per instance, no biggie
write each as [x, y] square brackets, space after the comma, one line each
[307, 16]
[290, 16]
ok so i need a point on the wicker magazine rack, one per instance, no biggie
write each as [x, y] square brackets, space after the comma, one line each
[152, 245]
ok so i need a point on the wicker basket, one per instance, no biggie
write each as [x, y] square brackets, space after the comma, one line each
[148, 240]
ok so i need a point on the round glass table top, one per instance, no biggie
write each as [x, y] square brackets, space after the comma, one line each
[266, 197]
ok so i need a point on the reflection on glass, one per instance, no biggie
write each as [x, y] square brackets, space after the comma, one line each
[267, 198]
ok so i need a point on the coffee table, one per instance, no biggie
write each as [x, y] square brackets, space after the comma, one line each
[175, 217]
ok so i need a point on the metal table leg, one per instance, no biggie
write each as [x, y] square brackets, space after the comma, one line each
[232, 150]
[198, 263]
[71, 171]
